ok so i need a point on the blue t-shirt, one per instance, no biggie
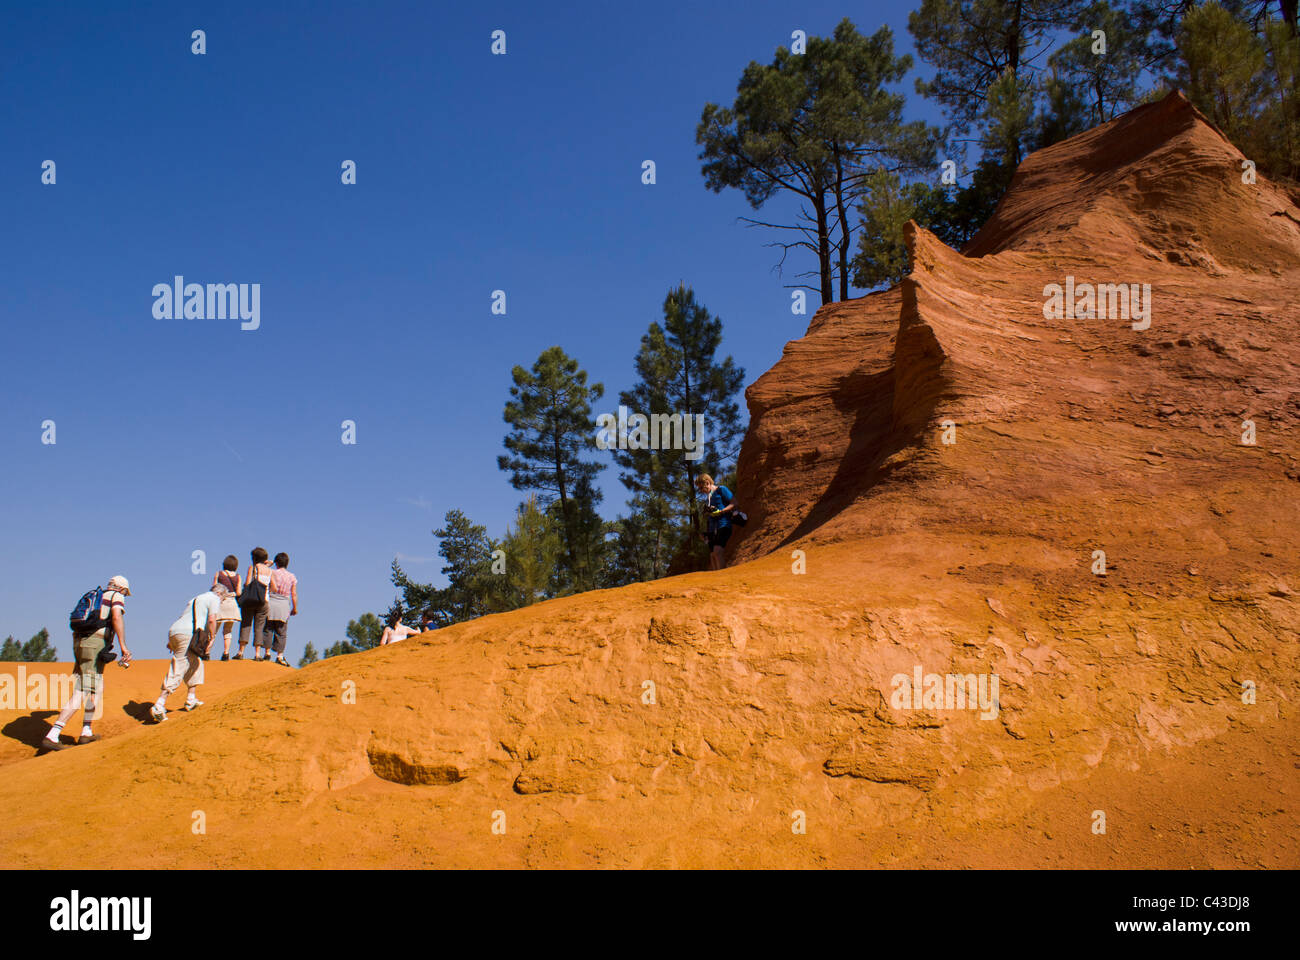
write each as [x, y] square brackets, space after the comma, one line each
[718, 499]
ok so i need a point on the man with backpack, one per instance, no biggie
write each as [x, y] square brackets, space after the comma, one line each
[95, 622]
[721, 515]
[188, 639]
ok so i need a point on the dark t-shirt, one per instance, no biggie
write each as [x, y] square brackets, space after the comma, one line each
[718, 499]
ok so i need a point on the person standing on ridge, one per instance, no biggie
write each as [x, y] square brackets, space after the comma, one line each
[91, 649]
[228, 577]
[252, 603]
[281, 604]
[718, 508]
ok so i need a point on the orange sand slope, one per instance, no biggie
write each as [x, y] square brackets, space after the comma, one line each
[701, 720]
[128, 695]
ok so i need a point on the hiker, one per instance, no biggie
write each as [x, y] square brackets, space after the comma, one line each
[396, 630]
[228, 577]
[429, 621]
[252, 603]
[93, 631]
[188, 638]
[281, 604]
[718, 507]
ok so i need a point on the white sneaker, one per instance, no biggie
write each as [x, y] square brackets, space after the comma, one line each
[157, 713]
[192, 704]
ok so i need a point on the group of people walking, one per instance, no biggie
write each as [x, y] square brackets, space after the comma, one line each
[261, 602]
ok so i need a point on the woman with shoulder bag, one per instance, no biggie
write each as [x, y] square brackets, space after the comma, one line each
[252, 604]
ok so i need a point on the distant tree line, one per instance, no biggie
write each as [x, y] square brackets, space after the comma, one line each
[36, 650]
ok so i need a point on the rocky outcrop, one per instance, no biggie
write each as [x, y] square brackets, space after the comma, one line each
[1154, 198]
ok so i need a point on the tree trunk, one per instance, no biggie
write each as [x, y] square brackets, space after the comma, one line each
[845, 230]
[1012, 48]
[564, 506]
[690, 464]
[824, 248]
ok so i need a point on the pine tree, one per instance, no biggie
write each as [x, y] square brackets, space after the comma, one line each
[364, 633]
[532, 555]
[309, 655]
[986, 57]
[35, 650]
[814, 125]
[1246, 82]
[467, 550]
[886, 207]
[38, 648]
[678, 373]
[549, 413]
[589, 532]
[635, 552]
[974, 44]
[1109, 80]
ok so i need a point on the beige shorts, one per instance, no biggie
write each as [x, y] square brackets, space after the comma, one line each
[90, 672]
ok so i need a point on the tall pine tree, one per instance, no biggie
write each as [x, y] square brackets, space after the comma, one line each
[815, 124]
[551, 431]
[678, 372]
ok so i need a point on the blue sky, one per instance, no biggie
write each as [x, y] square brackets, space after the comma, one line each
[474, 173]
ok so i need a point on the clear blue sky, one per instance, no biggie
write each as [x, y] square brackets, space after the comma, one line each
[475, 172]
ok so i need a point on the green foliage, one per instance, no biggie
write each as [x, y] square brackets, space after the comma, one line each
[533, 554]
[309, 655]
[1222, 67]
[974, 44]
[467, 550]
[36, 650]
[641, 544]
[1278, 131]
[886, 207]
[1065, 110]
[678, 372]
[589, 530]
[1007, 118]
[364, 633]
[1245, 82]
[987, 56]
[814, 125]
[1106, 82]
[551, 428]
